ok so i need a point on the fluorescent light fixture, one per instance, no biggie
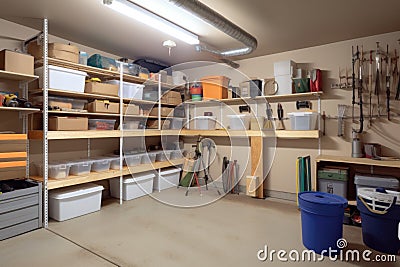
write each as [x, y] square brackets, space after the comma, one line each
[142, 15]
[236, 51]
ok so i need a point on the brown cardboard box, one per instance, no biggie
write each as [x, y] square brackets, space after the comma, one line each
[164, 112]
[16, 62]
[153, 124]
[101, 88]
[68, 124]
[56, 50]
[130, 109]
[172, 98]
[103, 106]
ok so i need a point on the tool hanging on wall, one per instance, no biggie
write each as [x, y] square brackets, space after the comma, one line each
[279, 124]
[357, 60]
[378, 73]
[268, 122]
[388, 61]
[370, 87]
[341, 112]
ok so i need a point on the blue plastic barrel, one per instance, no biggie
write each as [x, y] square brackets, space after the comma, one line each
[321, 220]
[380, 219]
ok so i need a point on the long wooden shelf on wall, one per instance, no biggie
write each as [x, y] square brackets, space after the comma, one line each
[6, 137]
[60, 135]
[97, 176]
[8, 75]
[360, 161]
[271, 98]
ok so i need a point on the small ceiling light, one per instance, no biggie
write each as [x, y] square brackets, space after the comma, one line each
[169, 44]
[140, 14]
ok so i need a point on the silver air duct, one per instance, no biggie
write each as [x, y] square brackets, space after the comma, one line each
[218, 21]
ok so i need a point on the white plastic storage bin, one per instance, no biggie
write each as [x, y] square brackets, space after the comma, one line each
[370, 181]
[130, 90]
[80, 167]
[239, 122]
[167, 178]
[284, 85]
[163, 155]
[205, 123]
[138, 185]
[133, 160]
[74, 201]
[63, 79]
[177, 123]
[303, 120]
[56, 170]
[101, 164]
[149, 157]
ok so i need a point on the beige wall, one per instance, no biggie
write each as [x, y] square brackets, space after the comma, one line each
[328, 58]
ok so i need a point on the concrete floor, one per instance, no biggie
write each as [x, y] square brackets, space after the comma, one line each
[146, 232]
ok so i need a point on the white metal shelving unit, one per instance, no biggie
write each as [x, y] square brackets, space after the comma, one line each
[45, 135]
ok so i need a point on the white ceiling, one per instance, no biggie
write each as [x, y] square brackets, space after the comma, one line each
[278, 25]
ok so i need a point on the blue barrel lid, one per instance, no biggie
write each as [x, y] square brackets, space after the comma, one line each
[323, 198]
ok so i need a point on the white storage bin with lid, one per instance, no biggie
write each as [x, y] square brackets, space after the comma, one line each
[138, 185]
[133, 160]
[56, 170]
[100, 164]
[148, 157]
[63, 79]
[239, 122]
[80, 167]
[167, 178]
[130, 90]
[177, 123]
[74, 201]
[373, 181]
[205, 123]
[303, 120]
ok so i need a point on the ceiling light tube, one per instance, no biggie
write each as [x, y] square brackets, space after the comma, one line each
[142, 15]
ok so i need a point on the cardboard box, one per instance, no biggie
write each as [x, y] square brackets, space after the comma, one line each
[172, 98]
[101, 88]
[164, 112]
[55, 50]
[130, 109]
[16, 62]
[68, 124]
[153, 124]
[103, 106]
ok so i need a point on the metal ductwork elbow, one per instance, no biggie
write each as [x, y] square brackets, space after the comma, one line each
[218, 21]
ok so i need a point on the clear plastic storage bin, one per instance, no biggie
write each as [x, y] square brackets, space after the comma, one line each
[80, 167]
[303, 120]
[114, 162]
[133, 160]
[101, 124]
[100, 164]
[56, 170]
[148, 157]
[175, 154]
[163, 155]
[130, 90]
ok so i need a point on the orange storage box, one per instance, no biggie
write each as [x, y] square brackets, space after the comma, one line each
[215, 87]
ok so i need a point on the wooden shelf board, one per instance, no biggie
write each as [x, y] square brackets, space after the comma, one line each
[360, 161]
[12, 164]
[6, 155]
[271, 98]
[20, 110]
[6, 137]
[97, 176]
[17, 76]
[289, 134]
